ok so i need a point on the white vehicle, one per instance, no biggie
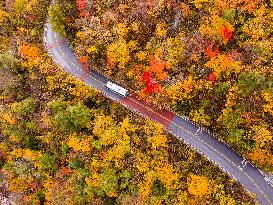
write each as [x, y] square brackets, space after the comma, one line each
[116, 88]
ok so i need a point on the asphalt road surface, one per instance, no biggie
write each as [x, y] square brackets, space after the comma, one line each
[218, 152]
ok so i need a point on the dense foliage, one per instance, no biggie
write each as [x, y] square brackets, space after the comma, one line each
[64, 143]
[210, 60]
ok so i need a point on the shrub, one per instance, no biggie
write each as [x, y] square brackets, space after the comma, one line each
[24, 107]
[73, 118]
[249, 81]
[47, 162]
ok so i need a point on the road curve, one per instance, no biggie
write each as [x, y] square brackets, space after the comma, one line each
[203, 142]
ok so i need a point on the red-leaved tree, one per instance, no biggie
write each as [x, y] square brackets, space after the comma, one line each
[81, 5]
[151, 86]
[226, 34]
[212, 77]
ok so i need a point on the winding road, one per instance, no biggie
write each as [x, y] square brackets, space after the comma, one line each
[202, 141]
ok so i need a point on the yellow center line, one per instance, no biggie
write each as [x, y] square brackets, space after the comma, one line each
[77, 67]
[147, 108]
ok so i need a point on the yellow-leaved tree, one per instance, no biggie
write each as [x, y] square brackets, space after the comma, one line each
[165, 173]
[2, 16]
[223, 63]
[145, 187]
[262, 136]
[182, 89]
[118, 54]
[78, 144]
[262, 157]
[104, 128]
[200, 117]
[221, 196]
[115, 136]
[157, 137]
[268, 105]
[198, 185]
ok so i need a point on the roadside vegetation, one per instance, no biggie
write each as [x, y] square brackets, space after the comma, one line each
[63, 143]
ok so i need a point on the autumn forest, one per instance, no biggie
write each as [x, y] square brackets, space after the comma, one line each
[63, 143]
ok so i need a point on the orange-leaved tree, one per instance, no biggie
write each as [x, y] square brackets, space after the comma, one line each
[156, 67]
[31, 52]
